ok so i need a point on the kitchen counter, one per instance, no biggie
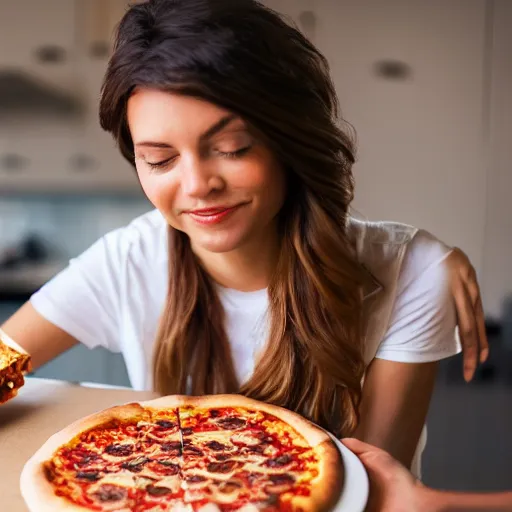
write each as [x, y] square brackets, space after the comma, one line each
[23, 280]
[42, 408]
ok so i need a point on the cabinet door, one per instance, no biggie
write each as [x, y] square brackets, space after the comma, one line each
[409, 75]
[55, 154]
[39, 36]
[421, 157]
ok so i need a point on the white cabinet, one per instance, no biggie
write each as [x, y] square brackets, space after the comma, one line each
[420, 138]
[61, 154]
[29, 28]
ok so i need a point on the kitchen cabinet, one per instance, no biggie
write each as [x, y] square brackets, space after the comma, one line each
[410, 79]
[60, 153]
[39, 36]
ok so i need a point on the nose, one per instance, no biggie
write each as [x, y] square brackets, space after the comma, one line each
[199, 179]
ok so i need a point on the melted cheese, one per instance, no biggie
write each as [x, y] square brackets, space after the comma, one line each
[123, 479]
[213, 435]
[246, 439]
[170, 482]
[207, 474]
[248, 507]
[210, 507]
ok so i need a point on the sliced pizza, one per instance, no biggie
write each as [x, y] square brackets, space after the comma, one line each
[221, 453]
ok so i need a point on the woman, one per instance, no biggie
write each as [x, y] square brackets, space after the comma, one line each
[230, 117]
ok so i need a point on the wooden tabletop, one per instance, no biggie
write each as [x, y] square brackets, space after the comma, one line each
[42, 408]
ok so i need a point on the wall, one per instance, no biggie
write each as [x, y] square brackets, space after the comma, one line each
[497, 257]
[420, 139]
[434, 148]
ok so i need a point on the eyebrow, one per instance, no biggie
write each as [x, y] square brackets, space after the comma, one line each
[208, 134]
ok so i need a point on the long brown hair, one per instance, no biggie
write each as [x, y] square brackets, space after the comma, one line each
[246, 58]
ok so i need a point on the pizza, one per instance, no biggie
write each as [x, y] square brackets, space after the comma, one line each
[14, 363]
[219, 453]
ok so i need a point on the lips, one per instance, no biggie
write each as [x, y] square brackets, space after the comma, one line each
[209, 216]
[212, 211]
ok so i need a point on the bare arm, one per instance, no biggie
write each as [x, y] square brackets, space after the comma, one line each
[441, 501]
[396, 397]
[394, 489]
[39, 337]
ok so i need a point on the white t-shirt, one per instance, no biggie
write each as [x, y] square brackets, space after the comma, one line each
[113, 294]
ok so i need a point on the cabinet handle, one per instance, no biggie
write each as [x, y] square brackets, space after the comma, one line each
[83, 163]
[12, 162]
[51, 54]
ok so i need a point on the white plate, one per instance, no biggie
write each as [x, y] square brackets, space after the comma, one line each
[356, 487]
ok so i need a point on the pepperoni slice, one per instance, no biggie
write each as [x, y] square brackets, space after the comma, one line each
[192, 450]
[109, 493]
[279, 462]
[166, 424]
[222, 456]
[164, 467]
[223, 467]
[231, 423]
[153, 490]
[90, 476]
[174, 447]
[282, 478]
[216, 446]
[195, 479]
[135, 465]
[119, 450]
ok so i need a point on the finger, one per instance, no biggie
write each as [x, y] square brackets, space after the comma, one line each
[356, 446]
[468, 331]
[476, 299]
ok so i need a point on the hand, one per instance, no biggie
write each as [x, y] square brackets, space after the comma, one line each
[470, 314]
[392, 487]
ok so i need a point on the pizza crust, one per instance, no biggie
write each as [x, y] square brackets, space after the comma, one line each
[326, 487]
[35, 488]
[314, 435]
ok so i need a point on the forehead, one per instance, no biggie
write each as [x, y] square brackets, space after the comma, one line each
[153, 114]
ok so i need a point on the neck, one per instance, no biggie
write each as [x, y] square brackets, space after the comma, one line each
[247, 268]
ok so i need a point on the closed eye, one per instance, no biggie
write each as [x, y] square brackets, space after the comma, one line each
[161, 164]
[235, 154]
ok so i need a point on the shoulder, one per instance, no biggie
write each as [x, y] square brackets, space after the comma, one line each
[366, 234]
[424, 254]
[392, 248]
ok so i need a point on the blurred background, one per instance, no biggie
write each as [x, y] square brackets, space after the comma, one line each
[426, 84]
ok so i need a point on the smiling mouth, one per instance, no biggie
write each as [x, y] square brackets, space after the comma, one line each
[210, 216]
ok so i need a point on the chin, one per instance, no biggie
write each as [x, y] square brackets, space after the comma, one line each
[219, 243]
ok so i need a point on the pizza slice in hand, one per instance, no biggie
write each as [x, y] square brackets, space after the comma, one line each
[14, 364]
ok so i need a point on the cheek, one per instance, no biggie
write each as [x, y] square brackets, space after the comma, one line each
[263, 178]
[160, 190]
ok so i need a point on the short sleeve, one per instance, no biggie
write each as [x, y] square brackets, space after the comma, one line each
[83, 299]
[422, 327]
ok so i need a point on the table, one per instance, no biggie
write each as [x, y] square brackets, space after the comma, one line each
[42, 408]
